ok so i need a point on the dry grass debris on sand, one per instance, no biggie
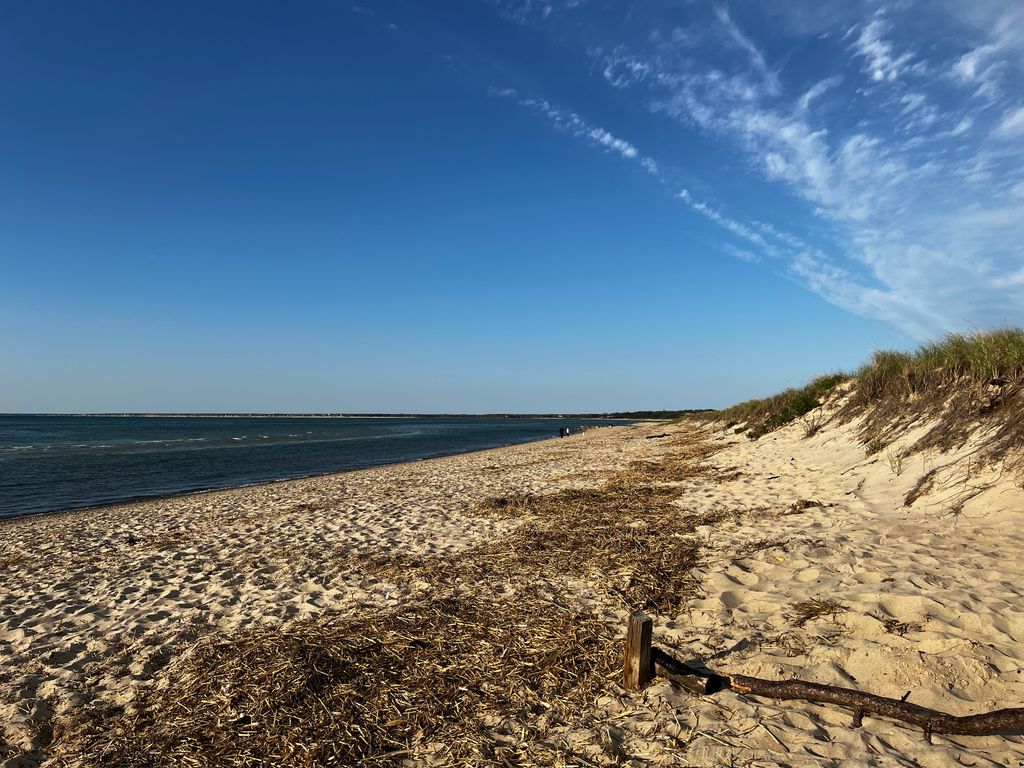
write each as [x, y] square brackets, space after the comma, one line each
[493, 658]
[468, 679]
[815, 608]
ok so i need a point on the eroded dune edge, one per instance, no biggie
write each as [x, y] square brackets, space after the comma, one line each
[469, 610]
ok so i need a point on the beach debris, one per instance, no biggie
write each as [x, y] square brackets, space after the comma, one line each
[815, 608]
[896, 627]
[802, 505]
[458, 679]
[702, 681]
[493, 662]
[655, 437]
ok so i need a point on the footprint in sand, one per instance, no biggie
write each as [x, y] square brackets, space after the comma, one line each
[808, 575]
[730, 600]
[62, 658]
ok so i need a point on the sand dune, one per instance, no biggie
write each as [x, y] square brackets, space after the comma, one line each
[929, 602]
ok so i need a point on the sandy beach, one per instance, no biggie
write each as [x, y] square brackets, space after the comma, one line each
[95, 603]
[807, 562]
[512, 384]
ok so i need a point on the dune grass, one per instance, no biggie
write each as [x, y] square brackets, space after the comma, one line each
[964, 381]
[956, 360]
[767, 414]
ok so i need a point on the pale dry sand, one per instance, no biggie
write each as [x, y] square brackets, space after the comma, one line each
[96, 605]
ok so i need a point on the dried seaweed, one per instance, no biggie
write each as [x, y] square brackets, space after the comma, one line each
[815, 608]
[487, 666]
[450, 678]
[896, 627]
[629, 533]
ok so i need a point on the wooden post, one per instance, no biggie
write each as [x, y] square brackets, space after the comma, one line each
[637, 668]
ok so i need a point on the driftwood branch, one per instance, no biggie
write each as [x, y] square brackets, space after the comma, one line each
[1001, 721]
[702, 681]
[694, 680]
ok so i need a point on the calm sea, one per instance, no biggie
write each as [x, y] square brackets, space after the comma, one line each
[51, 463]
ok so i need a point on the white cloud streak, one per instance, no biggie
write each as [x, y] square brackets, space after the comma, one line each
[915, 189]
[570, 122]
[1012, 125]
[999, 57]
[817, 90]
[738, 228]
[756, 57]
[740, 253]
[880, 61]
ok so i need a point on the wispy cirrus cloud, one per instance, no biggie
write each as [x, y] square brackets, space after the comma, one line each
[881, 62]
[994, 60]
[743, 254]
[818, 89]
[570, 122]
[1012, 124]
[738, 228]
[905, 147]
[757, 59]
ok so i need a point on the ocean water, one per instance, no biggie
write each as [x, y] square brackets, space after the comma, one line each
[50, 463]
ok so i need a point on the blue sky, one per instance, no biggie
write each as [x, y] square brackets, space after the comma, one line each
[496, 206]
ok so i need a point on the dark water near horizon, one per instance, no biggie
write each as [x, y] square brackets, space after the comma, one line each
[50, 463]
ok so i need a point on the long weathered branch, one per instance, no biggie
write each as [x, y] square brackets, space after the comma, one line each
[1001, 721]
[693, 680]
[642, 661]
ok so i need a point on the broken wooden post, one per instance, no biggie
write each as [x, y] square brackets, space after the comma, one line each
[637, 668]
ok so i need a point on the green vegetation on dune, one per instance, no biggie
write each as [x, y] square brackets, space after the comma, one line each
[768, 414]
[958, 385]
[958, 359]
[962, 382]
